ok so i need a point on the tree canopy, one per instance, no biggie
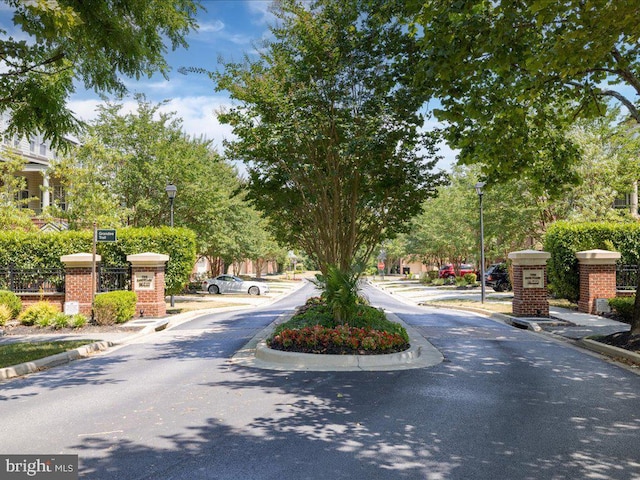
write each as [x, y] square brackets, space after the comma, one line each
[119, 173]
[93, 42]
[331, 140]
[512, 76]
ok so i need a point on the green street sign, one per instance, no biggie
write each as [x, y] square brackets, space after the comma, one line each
[105, 235]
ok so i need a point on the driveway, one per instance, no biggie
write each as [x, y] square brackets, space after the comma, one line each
[505, 404]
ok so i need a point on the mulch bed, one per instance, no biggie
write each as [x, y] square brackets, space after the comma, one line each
[622, 340]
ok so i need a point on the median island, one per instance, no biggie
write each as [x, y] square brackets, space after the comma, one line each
[359, 330]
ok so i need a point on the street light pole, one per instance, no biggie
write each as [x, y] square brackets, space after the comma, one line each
[479, 191]
[171, 190]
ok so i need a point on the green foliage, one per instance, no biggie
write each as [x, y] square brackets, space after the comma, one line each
[623, 306]
[341, 293]
[41, 314]
[5, 314]
[78, 321]
[470, 278]
[313, 329]
[330, 137]
[12, 301]
[58, 42]
[342, 339]
[33, 250]
[114, 307]
[13, 211]
[564, 239]
[513, 76]
[61, 320]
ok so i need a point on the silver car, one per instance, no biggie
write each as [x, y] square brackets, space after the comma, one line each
[233, 284]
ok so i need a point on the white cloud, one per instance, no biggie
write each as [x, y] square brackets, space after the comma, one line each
[261, 12]
[213, 26]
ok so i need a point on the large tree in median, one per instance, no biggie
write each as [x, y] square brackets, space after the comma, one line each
[95, 43]
[330, 139]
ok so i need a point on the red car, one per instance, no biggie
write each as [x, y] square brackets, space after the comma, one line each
[448, 271]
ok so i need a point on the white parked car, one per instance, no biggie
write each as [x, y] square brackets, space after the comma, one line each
[232, 284]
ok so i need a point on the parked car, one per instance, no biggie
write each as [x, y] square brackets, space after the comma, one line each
[448, 271]
[497, 277]
[233, 284]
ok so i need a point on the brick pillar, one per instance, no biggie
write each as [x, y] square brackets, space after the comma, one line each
[530, 298]
[147, 280]
[78, 267]
[597, 277]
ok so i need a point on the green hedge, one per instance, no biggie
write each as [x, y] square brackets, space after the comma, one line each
[114, 307]
[564, 239]
[43, 250]
[623, 306]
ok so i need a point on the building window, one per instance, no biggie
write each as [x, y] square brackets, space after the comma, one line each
[43, 149]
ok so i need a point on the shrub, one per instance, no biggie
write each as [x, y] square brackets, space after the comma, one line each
[114, 307]
[564, 239]
[5, 314]
[104, 314]
[623, 306]
[438, 282]
[41, 314]
[77, 321]
[470, 278]
[318, 314]
[342, 339]
[12, 301]
[61, 320]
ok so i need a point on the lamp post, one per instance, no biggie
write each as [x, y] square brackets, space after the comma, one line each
[171, 190]
[479, 187]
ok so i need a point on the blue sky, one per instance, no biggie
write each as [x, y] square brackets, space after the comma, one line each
[228, 28]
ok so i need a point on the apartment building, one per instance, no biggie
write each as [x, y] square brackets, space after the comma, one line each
[41, 190]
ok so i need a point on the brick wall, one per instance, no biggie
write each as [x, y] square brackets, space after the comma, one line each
[29, 299]
[529, 302]
[596, 281]
[151, 303]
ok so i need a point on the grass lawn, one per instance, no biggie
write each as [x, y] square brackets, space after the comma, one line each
[16, 353]
[493, 306]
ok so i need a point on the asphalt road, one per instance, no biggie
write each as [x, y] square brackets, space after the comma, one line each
[505, 404]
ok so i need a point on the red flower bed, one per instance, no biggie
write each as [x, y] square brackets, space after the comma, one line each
[340, 340]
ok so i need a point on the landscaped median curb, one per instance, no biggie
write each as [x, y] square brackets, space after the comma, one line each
[53, 360]
[421, 354]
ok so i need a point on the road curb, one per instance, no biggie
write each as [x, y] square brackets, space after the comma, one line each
[256, 354]
[609, 350]
[53, 360]
[87, 350]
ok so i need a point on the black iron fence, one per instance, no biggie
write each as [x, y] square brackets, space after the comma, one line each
[113, 278]
[52, 280]
[626, 277]
[34, 280]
